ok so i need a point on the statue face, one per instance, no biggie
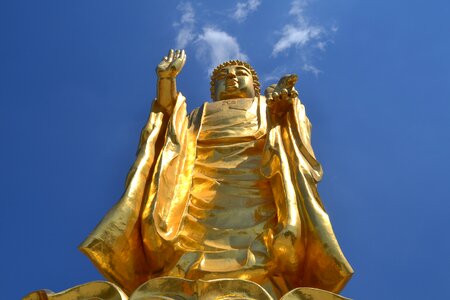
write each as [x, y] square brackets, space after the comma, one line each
[233, 82]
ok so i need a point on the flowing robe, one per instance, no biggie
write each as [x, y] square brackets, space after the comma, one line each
[161, 227]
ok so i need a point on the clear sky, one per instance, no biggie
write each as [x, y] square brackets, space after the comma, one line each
[77, 80]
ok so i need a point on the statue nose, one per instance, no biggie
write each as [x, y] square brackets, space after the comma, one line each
[231, 75]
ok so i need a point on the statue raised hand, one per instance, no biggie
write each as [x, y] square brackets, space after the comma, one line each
[171, 65]
[280, 96]
[167, 71]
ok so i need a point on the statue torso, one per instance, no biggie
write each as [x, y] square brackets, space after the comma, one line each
[230, 202]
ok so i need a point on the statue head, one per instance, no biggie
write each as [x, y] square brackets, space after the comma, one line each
[234, 79]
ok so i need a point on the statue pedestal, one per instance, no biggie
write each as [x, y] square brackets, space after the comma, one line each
[178, 288]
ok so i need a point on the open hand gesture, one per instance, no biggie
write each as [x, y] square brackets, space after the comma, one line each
[281, 95]
[171, 65]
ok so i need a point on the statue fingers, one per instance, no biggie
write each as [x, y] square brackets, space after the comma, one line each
[170, 55]
[177, 65]
[293, 93]
[268, 92]
[177, 55]
[175, 58]
[179, 60]
[284, 95]
[182, 57]
[275, 96]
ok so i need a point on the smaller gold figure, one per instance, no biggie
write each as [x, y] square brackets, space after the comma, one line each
[223, 196]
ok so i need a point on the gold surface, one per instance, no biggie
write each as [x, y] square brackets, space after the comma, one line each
[311, 294]
[228, 191]
[92, 290]
[181, 289]
[178, 288]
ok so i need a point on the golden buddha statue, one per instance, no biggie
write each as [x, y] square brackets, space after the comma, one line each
[225, 193]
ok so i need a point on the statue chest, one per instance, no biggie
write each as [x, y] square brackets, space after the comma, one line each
[230, 120]
[230, 202]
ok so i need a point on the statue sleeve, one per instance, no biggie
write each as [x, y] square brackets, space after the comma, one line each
[115, 246]
[294, 171]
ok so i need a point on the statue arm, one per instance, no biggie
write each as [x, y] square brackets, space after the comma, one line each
[167, 71]
[285, 137]
[286, 110]
[115, 245]
[304, 230]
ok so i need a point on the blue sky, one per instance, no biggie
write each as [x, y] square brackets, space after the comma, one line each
[77, 80]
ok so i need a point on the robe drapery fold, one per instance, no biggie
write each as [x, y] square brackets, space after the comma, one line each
[136, 240]
[116, 245]
[294, 171]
